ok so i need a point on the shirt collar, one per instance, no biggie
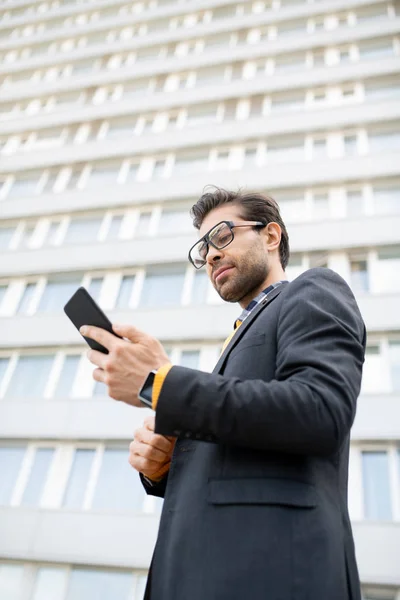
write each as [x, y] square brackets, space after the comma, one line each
[251, 306]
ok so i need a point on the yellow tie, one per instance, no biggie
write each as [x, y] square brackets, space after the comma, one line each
[238, 323]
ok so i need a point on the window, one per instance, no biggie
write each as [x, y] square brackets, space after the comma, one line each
[78, 478]
[201, 114]
[27, 235]
[376, 485]
[190, 359]
[120, 129]
[285, 150]
[378, 89]
[30, 376]
[292, 28]
[125, 291]
[3, 289]
[387, 200]
[25, 302]
[6, 234]
[83, 231]
[319, 148]
[117, 487]
[292, 207]
[103, 175]
[384, 141]
[67, 376]
[192, 161]
[387, 276]
[10, 460]
[57, 292]
[115, 227]
[95, 286]
[350, 145]
[376, 49]
[11, 579]
[174, 221]
[359, 280]
[200, 287]
[23, 187]
[320, 206]
[355, 204]
[37, 479]
[162, 288]
[50, 583]
[102, 585]
[290, 62]
[394, 359]
[287, 101]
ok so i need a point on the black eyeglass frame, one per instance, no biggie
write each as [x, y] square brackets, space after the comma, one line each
[205, 238]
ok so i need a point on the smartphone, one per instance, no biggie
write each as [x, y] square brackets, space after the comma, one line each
[82, 309]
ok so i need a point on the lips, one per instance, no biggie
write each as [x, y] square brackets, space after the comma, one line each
[220, 272]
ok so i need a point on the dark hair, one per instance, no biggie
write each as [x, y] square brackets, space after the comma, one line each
[255, 206]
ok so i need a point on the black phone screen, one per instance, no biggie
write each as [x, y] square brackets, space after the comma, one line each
[82, 309]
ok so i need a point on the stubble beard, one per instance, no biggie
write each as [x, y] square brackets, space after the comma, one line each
[249, 276]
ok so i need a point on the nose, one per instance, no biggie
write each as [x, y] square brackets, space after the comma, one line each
[213, 255]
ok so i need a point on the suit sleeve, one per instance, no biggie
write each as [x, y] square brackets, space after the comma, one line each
[310, 405]
[155, 488]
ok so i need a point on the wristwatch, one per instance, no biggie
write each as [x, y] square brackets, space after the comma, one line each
[146, 393]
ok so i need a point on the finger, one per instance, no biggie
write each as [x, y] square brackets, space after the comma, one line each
[156, 441]
[150, 422]
[99, 375]
[105, 338]
[151, 453]
[97, 358]
[143, 465]
[129, 331]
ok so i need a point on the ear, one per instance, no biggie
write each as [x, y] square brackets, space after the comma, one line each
[273, 236]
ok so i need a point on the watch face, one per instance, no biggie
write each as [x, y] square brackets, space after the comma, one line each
[146, 392]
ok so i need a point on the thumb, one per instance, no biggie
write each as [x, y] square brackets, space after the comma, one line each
[128, 331]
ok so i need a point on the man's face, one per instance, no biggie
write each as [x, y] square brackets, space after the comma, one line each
[241, 267]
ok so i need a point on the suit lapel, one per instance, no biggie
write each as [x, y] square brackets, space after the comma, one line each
[246, 324]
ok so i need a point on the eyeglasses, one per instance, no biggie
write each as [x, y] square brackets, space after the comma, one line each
[220, 236]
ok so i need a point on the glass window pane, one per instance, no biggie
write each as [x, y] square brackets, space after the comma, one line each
[50, 584]
[355, 204]
[23, 187]
[4, 362]
[6, 233]
[125, 291]
[10, 461]
[67, 376]
[78, 478]
[3, 289]
[30, 376]
[99, 389]
[26, 298]
[162, 289]
[11, 582]
[191, 162]
[174, 221]
[103, 175]
[57, 292]
[94, 287]
[376, 485]
[384, 141]
[190, 359]
[285, 150]
[118, 487]
[200, 288]
[359, 280]
[83, 231]
[115, 226]
[387, 200]
[143, 225]
[394, 358]
[37, 478]
[102, 585]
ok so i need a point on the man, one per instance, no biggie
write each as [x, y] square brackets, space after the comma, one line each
[256, 488]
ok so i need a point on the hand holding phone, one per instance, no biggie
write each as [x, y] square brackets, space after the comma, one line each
[82, 309]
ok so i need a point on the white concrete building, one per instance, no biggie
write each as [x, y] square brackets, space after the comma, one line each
[114, 115]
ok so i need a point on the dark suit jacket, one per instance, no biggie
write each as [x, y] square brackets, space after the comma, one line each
[256, 497]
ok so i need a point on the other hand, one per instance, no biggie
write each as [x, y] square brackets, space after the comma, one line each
[150, 453]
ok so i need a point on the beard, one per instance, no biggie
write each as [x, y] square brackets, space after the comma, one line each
[251, 272]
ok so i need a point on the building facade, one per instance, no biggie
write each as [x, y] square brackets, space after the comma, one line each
[114, 115]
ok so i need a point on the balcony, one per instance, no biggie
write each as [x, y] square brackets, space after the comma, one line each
[121, 540]
[224, 133]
